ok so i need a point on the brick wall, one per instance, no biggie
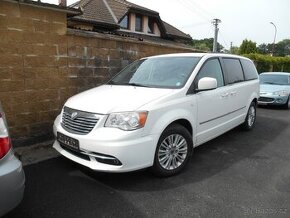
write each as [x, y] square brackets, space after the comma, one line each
[42, 63]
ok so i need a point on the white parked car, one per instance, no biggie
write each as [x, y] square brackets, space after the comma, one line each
[156, 110]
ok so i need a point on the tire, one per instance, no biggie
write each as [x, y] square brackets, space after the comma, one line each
[173, 151]
[287, 105]
[250, 120]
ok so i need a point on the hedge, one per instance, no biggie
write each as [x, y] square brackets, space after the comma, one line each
[266, 63]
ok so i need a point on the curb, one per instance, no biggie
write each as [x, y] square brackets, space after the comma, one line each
[36, 153]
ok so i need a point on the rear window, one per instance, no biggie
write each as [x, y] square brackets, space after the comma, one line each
[249, 69]
[234, 70]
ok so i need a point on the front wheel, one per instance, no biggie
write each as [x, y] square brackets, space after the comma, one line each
[287, 105]
[250, 118]
[173, 151]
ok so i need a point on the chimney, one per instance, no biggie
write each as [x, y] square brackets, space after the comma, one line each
[62, 3]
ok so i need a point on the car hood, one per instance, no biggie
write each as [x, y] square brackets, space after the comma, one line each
[266, 88]
[106, 99]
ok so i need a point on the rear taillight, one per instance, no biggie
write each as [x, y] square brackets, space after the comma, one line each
[5, 146]
[5, 142]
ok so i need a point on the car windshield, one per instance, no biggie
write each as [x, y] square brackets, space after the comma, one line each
[159, 72]
[274, 79]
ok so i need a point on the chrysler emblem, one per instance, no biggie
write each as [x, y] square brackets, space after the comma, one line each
[74, 115]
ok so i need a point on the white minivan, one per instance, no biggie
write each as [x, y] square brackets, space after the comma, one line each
[156, 110]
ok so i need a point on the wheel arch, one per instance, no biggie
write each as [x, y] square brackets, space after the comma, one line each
[185, 123]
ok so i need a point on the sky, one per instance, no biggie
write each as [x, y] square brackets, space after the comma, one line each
[240, 19]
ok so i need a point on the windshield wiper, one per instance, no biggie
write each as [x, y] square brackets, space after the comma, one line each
[270, 83]
[135, 84]
[111, 83]
[126, 84]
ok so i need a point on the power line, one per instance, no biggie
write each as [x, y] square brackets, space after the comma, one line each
[223, 38]
[193, 10]
[195, 24]
[195, 5]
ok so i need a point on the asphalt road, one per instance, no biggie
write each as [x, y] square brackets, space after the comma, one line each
[239, 174]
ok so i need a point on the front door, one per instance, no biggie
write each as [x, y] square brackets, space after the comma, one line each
[213, 106]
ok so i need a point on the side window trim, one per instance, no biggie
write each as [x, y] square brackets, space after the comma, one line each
[225, 75]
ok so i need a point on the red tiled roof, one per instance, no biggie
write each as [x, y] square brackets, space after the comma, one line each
[112, 11]
[119, 8]
[94, 11]
[171, 30]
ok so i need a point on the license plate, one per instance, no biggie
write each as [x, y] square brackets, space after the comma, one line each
[68, 141]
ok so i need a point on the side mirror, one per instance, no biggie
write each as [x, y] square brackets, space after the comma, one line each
[207, 83]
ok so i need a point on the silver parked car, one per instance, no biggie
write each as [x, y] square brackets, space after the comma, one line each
[12, 176]
[275, 89]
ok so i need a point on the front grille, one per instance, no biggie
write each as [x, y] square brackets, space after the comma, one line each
[265, 99]
[78, 122]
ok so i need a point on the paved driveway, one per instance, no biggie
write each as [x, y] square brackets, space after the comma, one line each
[240, 174]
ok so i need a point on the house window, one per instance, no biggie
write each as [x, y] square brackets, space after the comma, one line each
[138, 23]
[124, 24]
[150, 25]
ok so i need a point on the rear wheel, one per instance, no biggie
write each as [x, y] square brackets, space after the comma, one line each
[173, 151]
[250, 118]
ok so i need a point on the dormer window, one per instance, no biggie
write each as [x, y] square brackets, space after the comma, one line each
[150, 25]
[138, 23]
[124, 24]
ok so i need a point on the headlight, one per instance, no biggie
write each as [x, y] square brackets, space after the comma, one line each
[281, 93]
[127, 120]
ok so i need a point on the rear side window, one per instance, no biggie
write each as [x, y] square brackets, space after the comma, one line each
[234, 70]
[249, 69]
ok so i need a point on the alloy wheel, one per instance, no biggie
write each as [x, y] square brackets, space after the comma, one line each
[172, 151]
[251, 115]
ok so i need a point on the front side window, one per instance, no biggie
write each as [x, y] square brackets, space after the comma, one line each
[161, 72]
[211, 68]
[138, 23]
[234, 70]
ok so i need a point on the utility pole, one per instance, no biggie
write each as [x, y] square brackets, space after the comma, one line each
[215, 22]
[231, 48]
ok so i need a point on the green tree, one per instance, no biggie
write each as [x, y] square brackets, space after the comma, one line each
[205, 44]
[234, 50]
[248, 47]
[264, 48]
[282, 48]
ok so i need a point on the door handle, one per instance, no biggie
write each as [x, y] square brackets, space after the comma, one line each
[233, 93]
[224, 95]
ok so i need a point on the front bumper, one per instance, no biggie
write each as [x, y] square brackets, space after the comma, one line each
[133, 150]
[272, 100]
[12, 180]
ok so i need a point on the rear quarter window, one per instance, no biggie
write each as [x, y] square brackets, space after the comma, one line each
[250, 70]
[234, 70]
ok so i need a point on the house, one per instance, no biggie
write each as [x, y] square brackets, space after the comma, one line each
[124, 18]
